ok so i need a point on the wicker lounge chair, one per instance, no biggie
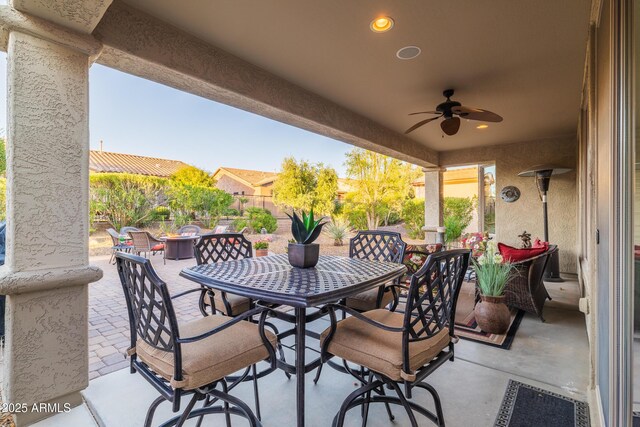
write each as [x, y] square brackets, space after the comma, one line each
[145, 243]
[118, 246]
[525, 290]
[125, 230]
[189, 230]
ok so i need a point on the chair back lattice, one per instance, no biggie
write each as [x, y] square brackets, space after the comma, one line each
[213, 248]
[115, 237]
[377, 246]
[151, 315]
[190, 229]
[433, 295]
[125, 230]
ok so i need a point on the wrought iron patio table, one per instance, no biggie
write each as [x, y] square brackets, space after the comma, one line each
[272, 279]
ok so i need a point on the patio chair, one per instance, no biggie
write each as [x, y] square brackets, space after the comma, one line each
[144, 242]
[117, 245]
[525, 289]
[220, 229]
[376, 246]
[401, 349]
[188, 359]
[212, 248]
[125, 230]
[189, 230]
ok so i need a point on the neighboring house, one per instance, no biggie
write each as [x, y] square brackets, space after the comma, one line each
[106, 162]
[245, 182]
[249, 182]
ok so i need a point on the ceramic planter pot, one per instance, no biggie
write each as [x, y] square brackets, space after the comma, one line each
[303, 256]
[262, 252]
[492, 315]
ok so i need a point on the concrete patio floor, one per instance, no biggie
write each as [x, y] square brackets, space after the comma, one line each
[551, 355]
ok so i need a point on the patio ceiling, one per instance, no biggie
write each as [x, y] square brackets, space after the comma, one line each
[523, 60]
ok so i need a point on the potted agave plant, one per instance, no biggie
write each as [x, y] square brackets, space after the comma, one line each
[304, 253]
[492, 274]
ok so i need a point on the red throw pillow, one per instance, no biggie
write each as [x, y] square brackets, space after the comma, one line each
[540, 244]
[158, 247]
[512, 254]
[637, 251]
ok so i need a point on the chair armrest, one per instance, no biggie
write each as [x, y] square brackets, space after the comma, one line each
[359, 316]
[188, 292]
[246, 315]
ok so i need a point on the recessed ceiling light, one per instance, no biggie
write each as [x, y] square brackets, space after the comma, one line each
[381, 24]
[408, 52]
[482, 126]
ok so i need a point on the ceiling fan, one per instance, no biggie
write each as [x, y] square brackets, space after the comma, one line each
[451, 111]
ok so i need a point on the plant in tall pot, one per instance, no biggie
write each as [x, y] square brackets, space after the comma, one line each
[492, 274]
[304, 253]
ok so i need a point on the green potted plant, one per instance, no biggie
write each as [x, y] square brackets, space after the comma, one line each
[304, 253]
[262, 247]
[492, 274]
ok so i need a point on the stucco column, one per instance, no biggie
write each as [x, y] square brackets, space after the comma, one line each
[433, 202]
[47, 271]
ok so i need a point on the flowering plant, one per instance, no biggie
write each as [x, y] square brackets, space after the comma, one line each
[492, 272]
[262, 243]
[477, 242]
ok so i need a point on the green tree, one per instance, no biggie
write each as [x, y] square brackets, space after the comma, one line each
[125, 199]
[380, 184]
[457, 213]
[257, 219]
[188, 202]
[301, 185]
[413, 217]
[191, 175]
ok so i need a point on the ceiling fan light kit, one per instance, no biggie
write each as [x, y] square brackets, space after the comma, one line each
[451, 112]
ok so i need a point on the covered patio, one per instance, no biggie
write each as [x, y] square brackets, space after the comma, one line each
[557, 72]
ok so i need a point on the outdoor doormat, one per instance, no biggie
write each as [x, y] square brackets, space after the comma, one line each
[467, 328]
[528, 406]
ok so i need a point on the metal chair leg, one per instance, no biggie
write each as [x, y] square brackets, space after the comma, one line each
[151, 411]
[338, 421]
[227, 415]
[254, 371]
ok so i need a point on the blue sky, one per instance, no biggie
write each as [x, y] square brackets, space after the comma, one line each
[137, 116]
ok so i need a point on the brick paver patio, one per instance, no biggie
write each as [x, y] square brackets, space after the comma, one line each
[108, 320]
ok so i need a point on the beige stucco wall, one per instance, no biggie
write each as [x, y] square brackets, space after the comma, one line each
[231, 186]
[526, 213]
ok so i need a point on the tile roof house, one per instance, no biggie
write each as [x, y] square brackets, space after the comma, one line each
[106, 162]
[245, 181]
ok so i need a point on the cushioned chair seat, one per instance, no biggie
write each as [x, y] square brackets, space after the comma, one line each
[211, 358]
[380, 350]
[238, 304]
[366, 301]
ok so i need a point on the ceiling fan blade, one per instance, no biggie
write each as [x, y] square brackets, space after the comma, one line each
[420, 123]
[425, 112]
[450, 126]
[476, 114]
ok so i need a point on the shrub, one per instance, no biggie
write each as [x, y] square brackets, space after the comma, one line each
[256, 219]
[189, 201]
[413, 217]
[161, 213]
[125, 199]
[356, 215]
[232, 212]
[338, 229]
[458, 213]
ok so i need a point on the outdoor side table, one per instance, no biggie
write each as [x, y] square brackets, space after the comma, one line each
[179, 247]
[273, 280]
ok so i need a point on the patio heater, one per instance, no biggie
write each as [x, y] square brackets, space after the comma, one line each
[543, 174]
